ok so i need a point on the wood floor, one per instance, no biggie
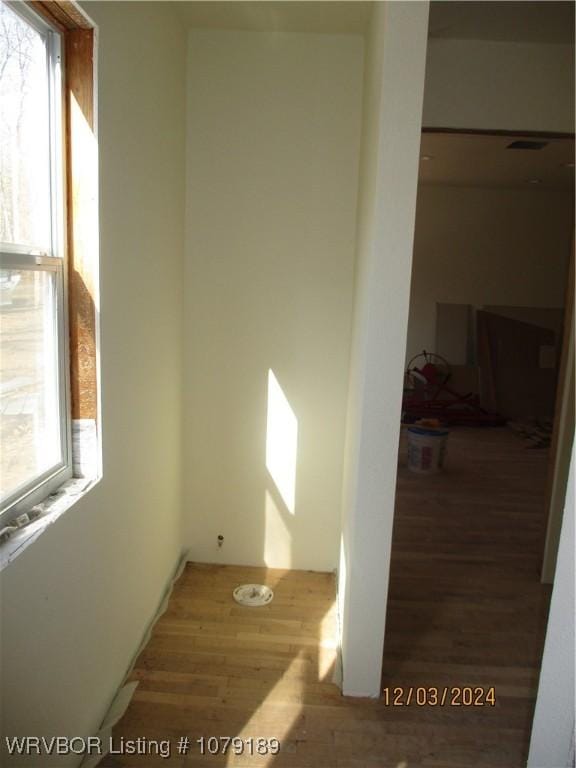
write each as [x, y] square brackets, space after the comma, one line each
[466, 609]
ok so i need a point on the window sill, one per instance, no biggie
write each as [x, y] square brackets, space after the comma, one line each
[50, 510]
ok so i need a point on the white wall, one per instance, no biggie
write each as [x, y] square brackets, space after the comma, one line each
[394, 82]
[486, 246]
[564, 437]
[483, 84]
[76, 603]
[273, 145]
[552, 741]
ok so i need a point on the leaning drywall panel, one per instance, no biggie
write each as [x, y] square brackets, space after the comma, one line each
[453, 332]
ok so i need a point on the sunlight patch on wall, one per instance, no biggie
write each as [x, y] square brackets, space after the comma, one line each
[328, 645]
[281, 442]
[277, 537]
[341, 593]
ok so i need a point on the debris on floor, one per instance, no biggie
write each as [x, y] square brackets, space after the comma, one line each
[537, 433]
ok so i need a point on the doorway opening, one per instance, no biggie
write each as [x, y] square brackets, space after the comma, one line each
[491, 297]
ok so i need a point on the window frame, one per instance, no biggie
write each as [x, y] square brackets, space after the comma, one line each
[54, 261]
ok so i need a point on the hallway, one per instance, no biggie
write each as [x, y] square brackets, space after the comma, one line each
[466, 607]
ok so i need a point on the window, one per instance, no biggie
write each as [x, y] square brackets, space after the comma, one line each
[35, 431]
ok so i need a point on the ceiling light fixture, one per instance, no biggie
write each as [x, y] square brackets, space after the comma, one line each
[426, 157]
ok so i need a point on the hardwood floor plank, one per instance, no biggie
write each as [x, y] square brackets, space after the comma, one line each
[465, 609]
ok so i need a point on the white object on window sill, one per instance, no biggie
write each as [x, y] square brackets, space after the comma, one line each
[41, 516]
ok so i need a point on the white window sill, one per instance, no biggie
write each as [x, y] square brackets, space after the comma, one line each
[50, 510]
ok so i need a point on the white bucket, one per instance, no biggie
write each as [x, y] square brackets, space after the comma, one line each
[426, 449]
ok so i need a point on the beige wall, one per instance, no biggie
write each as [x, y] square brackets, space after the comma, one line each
[76, 603]
[486, 246]
[482, 84]
[273, 145]
[552, 737]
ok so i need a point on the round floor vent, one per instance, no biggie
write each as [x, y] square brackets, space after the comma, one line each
[253, 595]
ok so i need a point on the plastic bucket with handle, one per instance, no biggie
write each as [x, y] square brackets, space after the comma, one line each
[426, 449]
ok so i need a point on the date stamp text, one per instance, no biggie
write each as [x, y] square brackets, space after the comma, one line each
[440, 696]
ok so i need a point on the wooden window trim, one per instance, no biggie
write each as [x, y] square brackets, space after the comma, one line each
[81, 201]
[63, 13]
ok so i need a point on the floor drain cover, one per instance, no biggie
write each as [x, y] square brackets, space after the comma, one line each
[254, 595]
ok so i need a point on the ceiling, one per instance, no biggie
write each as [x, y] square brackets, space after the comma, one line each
[538, 21]
[474, 160]
[546, 21]
[290, 16]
